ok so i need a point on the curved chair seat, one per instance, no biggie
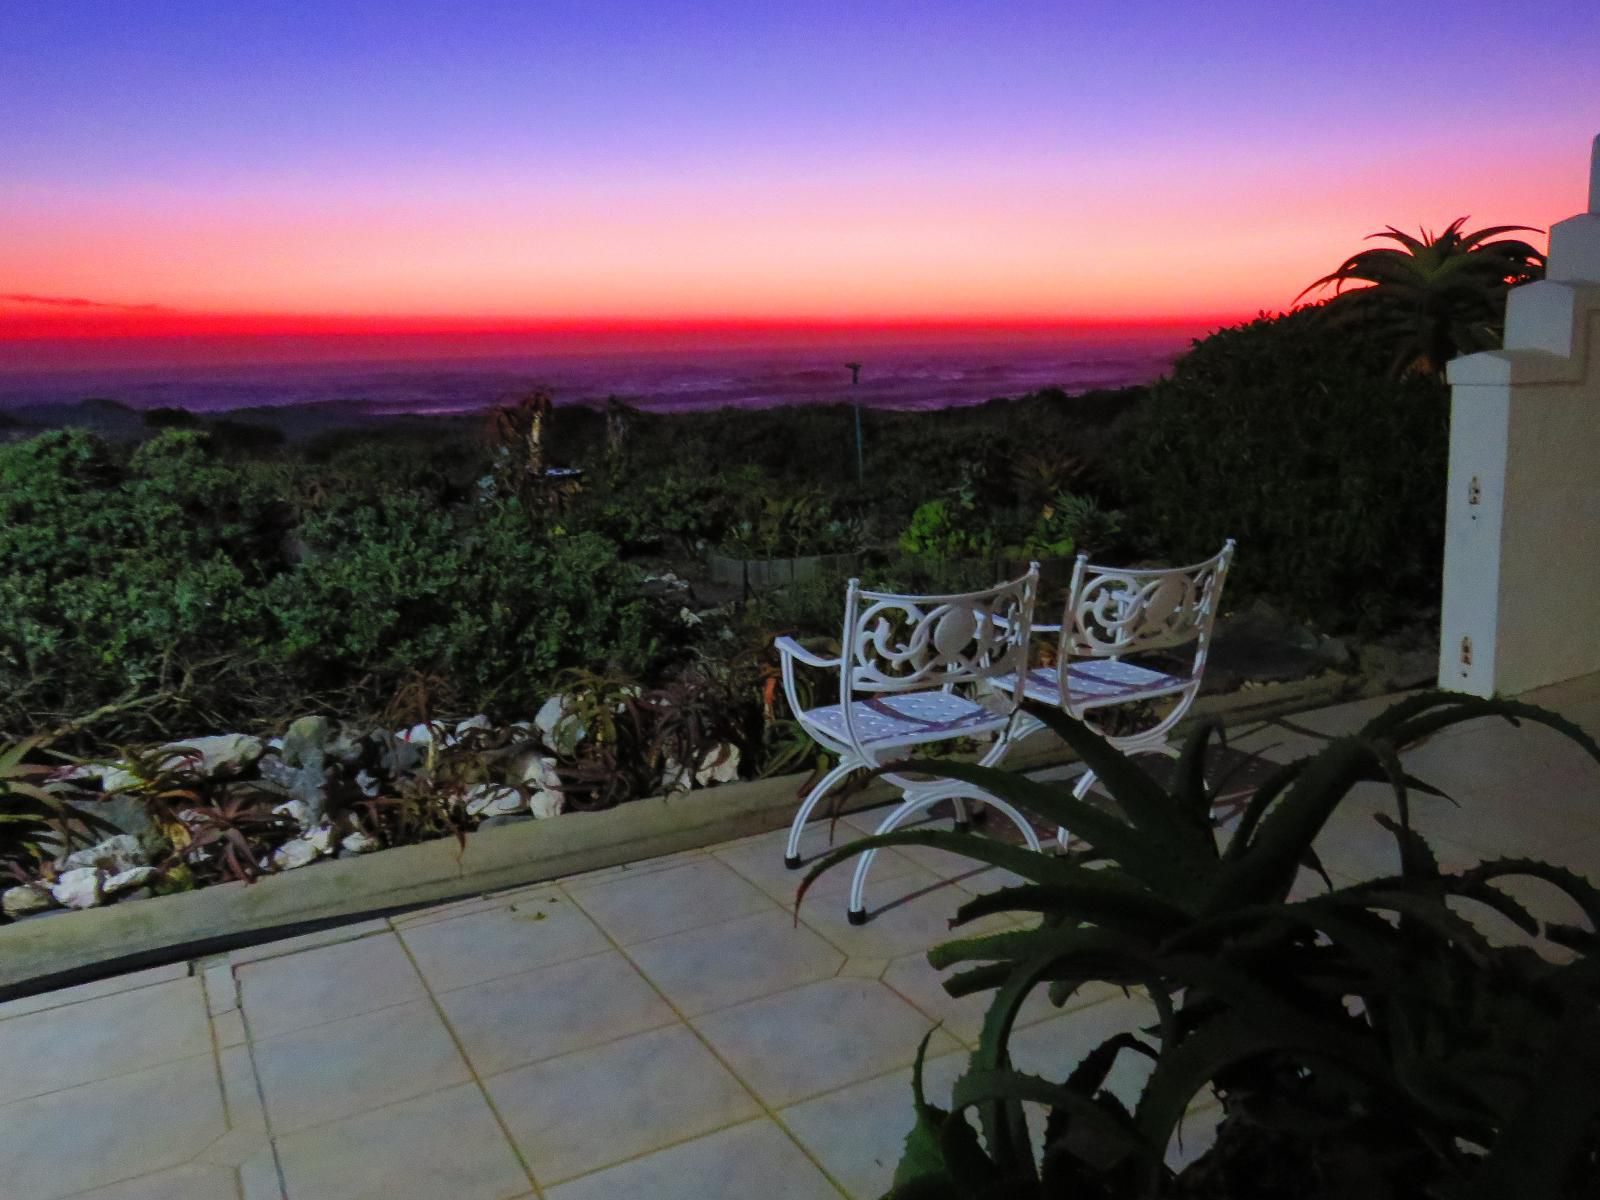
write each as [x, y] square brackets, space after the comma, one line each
[907, 719]
[1098, 681]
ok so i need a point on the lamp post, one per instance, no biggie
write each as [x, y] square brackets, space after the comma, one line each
[855, 402]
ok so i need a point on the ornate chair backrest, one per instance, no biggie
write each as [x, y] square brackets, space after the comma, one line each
[895, 643]
[1113, 612]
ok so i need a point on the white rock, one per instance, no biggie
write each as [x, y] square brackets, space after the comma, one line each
[493, 800]
[126, 881]
[722, 766]
[298, 852]
[534, 769]
[359, 843]
[545, 803]
[478, 722]
[218, 753]
[417, 735]
[321, 839]
[25, 900]
[297, 811]
[719, 766]
[687, 616]
[114, 854]
[368, 782]
[561, 729]
[78, 888]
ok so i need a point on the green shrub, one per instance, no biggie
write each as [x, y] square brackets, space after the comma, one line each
[117, 576]
[1292, 438]
[401, 587]
[1364, 1041]
[170, 572]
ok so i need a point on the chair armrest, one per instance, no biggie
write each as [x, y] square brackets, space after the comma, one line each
[790, 648]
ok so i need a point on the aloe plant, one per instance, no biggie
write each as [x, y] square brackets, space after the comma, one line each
[38, 818]
[1366, 1040]
[1437, 296]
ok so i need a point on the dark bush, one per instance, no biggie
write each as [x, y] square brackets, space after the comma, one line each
[1292, 438]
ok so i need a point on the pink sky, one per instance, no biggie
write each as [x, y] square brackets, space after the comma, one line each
[416, 173]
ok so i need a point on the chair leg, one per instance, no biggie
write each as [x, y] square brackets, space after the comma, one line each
[963, 817]
[1079, 791]
[791, 853]
[857, 913]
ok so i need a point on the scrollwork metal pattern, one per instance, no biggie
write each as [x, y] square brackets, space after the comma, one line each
[899, 643]
[1123, 612]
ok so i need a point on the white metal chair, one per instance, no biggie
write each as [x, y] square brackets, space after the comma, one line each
[901, 659]
[1111, 614]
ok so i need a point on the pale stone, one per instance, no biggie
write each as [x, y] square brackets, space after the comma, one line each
[418, 735]
[117, 853]
[297, 811]
[481, 721]
[126, 881]
[561, 730]
[321, 839]
[493, 799]
[299, 852]
[78, 888]
[359, 843]
[218, 753]
[546, 803]
[24, 900]
[721, 765]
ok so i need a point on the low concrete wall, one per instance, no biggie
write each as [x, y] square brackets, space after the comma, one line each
[493, 860]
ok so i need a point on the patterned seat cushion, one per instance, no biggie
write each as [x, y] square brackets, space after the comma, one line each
[908, 718]
[1097, 681]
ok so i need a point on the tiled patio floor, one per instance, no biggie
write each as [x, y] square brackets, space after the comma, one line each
[664, 1029]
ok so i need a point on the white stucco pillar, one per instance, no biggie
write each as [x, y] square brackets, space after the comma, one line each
[1521, 601]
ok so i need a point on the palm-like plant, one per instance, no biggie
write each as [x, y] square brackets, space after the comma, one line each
[1364, 1041]
[1436, 296]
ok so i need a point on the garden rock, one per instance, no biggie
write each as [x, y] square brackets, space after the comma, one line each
[306, 785]
[721, 765]
[297, 852]
[558, 725]
[25, 900]
[220, 754]
[125, 882]
[305, 742]
[118, 853]
[359, 843]
[128, 814]
[537, 772]
[78, 888]
[493, 800]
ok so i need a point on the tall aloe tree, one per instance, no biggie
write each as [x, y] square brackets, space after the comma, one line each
[1437, 296]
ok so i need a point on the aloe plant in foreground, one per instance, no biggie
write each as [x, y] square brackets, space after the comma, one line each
[1368, 1040]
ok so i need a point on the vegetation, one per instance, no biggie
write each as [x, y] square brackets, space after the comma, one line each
[1435, 298]
[1368, 1040]
[1288, 434]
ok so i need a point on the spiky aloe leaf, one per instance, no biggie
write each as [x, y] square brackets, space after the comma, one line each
[1100, 1138]
[922, 1163]
[1041, 868]
[1089, 900]
[1174, 867]
[1534, 1155]
[1138, 795]
[1193, 798]
[1268, 865]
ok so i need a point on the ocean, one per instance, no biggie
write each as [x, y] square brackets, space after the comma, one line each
[920, 375]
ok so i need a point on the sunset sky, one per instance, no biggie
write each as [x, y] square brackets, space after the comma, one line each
[172, 168]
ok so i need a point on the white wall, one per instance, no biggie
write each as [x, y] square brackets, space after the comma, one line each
[1522, 530]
